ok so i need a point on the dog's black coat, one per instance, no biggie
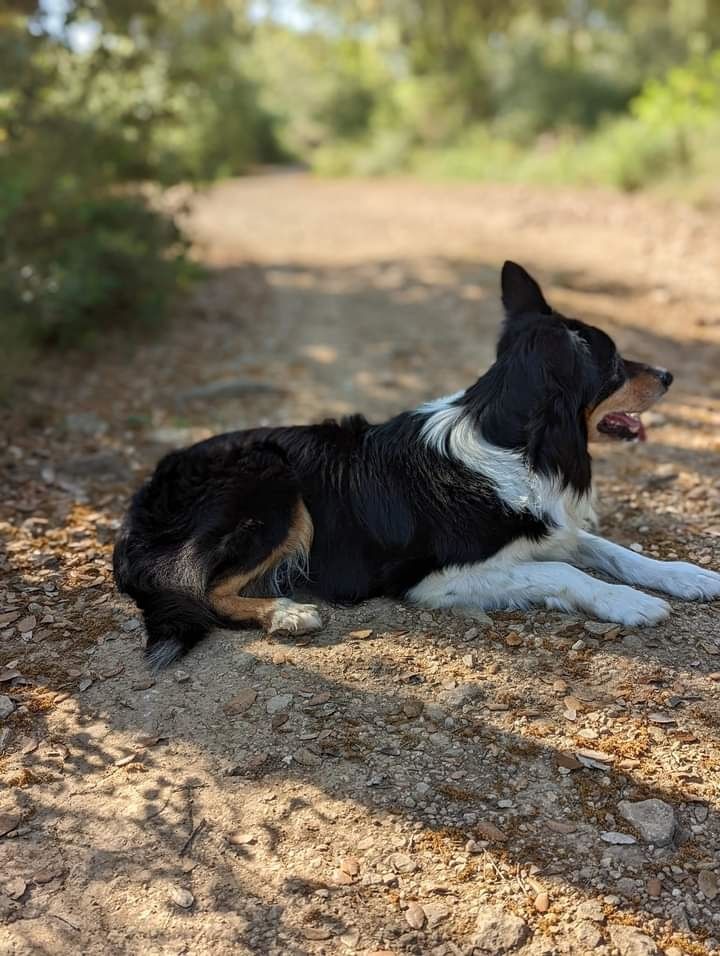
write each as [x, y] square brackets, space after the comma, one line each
[387, 507]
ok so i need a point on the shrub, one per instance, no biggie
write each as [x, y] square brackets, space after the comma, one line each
[672, 130]
[159, 95]
[92, 265]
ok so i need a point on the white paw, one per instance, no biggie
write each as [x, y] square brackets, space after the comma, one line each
[624, 605]
[689, 582]
[291, 618]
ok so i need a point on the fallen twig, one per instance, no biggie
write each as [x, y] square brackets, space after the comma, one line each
[193, 833]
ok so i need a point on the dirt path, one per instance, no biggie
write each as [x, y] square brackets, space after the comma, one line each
[406, 782]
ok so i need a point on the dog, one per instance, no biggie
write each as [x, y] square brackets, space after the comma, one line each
[482, 499]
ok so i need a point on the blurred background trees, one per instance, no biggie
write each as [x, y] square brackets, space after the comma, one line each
[551, 90]
[102, 101]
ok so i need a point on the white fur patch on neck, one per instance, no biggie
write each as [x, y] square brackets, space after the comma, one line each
[450, 432]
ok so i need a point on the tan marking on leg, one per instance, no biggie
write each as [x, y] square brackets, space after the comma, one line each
[257, 611]
[274, 615]
[225, 596]
[300, 536]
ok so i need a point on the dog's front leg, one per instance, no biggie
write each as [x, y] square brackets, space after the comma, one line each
[677, 578]
[551, 584]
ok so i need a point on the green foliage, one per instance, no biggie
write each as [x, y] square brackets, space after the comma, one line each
[575, 102]
[688, 95]
[317, 88]
[543, 92]
[157, 92]
[665, 135]
[87, 267]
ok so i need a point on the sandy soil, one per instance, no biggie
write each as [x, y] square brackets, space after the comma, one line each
[404, 782]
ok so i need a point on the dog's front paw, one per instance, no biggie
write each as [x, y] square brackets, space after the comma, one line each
[689, 582]
[624, 605]
[291, 618]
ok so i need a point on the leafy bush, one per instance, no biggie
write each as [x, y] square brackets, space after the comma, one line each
[538, 92]
[94, 264]
[670, 126]
[321, 90]
[672, 129]
[159, 94]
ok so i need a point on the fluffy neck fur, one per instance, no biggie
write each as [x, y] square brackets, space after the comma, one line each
[531, 402]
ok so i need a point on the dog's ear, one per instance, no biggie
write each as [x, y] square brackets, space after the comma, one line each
[521, 295]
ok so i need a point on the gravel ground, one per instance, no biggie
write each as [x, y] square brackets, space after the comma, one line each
[405, 781]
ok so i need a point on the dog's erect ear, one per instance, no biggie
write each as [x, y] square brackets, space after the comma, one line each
[521, 295]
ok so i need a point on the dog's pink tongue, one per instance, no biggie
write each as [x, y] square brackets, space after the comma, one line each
[630, 422]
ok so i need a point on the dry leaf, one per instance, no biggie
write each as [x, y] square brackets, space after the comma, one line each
[15, 888]
[241, 839]
[488, 831]
[350, 865]
[111, 671]
[144, 684]
[148, 740]
[241, 702]
[316, 932]
[415, 916]
[47, 875]
[8, 674]
[657, 718]
[181, 897]
[559, 826]
[8, 822]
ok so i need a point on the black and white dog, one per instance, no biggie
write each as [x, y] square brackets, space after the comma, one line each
[481, 499]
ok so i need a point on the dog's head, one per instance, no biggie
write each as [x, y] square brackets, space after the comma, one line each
[582, 374]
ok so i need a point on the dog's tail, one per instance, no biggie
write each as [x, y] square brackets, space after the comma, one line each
[175, 619]
[155, 566]
[175, 622]
[206, 511]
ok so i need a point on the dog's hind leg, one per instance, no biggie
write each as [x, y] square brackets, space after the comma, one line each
[273, 614]
[215, 539]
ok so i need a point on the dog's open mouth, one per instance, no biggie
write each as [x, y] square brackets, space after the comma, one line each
[622, 425]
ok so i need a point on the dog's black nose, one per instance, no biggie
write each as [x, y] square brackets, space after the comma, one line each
[665, 377]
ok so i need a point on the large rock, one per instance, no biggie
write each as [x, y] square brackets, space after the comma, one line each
[629, 941]
[653, 819]
[498, 932]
